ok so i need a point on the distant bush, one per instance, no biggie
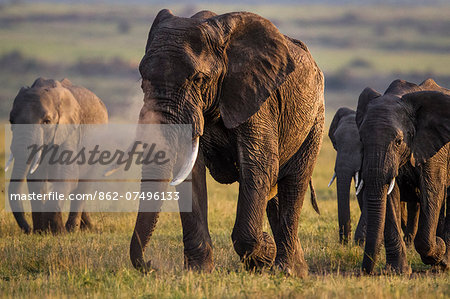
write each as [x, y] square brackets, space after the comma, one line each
[15, 61]
[123, 27]
[360, 63]
[101, 67]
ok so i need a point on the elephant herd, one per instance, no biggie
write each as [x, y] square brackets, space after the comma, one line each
[255, 100]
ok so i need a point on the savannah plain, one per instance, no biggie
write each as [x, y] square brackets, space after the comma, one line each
[99, 46]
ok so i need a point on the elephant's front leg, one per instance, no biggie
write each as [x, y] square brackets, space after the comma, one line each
[198, 252]
[258, 168]
[255, 247]
[432, 249]
[74, 221]
[395, 247]
[37, 207]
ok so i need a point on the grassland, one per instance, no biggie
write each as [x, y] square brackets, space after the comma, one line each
[96, 263]
[56, 39]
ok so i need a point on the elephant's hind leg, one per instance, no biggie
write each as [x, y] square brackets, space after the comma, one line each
[292, 188]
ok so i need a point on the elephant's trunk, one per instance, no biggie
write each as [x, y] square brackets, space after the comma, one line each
[375, 195]
[21, 140]
[344, 179]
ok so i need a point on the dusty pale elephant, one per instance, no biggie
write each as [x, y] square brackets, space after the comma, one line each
[344, 136]
[254, 98]
[54, 103]
[398, 128]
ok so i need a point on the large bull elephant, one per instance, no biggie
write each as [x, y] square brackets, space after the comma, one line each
[58, 104]
[254, 98]
[344, 136]
[396, 129]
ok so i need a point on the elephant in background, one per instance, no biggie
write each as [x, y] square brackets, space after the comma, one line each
[50, 102]
[344, 136]
[254, 98]
[405, 126]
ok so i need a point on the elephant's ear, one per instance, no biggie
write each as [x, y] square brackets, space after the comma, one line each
[400, 87]
[204, 14]
[342, 112]
[257, 60]
[162, 15]
[431, 111]
[431, 85]
[69, 113]
[365, 97]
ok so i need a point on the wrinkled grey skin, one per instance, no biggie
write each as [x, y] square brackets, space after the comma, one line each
[52, 102]
[344, 135]
[255, 99]
[345, 138]
[405, 125]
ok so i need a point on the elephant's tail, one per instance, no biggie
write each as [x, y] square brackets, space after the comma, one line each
[313, 197]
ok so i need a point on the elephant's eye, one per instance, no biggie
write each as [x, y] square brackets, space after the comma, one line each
[398, 142]
[46, 121]
[198, 79]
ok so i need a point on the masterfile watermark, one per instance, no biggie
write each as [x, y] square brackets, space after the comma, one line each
[110, 168]
[95, 156]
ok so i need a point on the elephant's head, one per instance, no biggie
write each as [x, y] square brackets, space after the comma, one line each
[210, 68]
[395, 128]
[46, 102]
[345, 138]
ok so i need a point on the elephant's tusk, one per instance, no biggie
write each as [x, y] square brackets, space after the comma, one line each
[356, 179]
[360, 187]
[391, 186]
[35, 163]
[332, 179]
[188, 165]
[10, 159]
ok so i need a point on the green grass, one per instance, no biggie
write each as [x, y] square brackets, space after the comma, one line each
[96, 263]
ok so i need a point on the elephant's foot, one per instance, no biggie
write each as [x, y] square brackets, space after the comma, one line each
[262, 255]
[57, 226]
[344, 235]
[298, 269]
[293, 264]
[431, 255]
[145, 267]
[72, 225]
[200, 259]
[396, 261]
[400, 266]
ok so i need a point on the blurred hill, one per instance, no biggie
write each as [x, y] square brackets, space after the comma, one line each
[99, 45]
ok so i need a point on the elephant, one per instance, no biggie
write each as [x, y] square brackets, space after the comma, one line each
[344, 136]
[408, 125]
[255, 100]
[56, 103]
